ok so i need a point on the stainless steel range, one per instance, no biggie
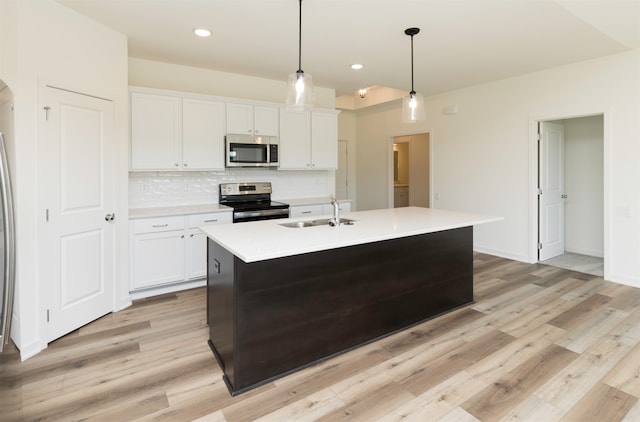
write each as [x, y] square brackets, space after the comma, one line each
[251, 202]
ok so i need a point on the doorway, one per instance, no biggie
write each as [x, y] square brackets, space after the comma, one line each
[411, 174]
[571, 193]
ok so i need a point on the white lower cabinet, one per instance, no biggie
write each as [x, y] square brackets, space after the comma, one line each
[196, 261]
[170, 250]
[342, 206]
[305, 210]
[312, 210]
[196, 248]
[159, 258]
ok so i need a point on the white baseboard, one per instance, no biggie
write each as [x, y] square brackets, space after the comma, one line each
[588, 252]
[30, 350]
[501, 254]
[170, 288]
[623, 279]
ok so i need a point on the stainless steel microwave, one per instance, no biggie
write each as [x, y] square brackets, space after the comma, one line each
[251, 151]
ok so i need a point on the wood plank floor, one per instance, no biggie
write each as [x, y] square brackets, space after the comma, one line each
[539, 344]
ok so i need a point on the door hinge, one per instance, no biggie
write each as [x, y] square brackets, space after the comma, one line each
[539, 191]
[539, 246]
[538, 137]
[47, 315]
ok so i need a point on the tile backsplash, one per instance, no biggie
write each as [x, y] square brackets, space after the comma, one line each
[175, 188]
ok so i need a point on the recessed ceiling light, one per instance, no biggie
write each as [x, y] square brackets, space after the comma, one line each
[201, 32]
[357, 66]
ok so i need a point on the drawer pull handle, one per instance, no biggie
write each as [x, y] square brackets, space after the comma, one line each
[160, 225]
[210, 221]
[306, 212]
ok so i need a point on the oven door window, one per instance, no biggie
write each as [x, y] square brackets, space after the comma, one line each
[248, 153]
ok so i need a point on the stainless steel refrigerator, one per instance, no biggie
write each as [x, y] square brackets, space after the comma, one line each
[7, 243]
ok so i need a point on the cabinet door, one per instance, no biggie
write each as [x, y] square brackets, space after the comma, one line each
[266, 121]
[158, 258]
[239, 118]
[196, 257]
[202, 135]
[155, 132]
[295, 146]
[324, 141]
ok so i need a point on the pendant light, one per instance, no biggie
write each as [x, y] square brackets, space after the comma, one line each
[300, 88]
[413, 104]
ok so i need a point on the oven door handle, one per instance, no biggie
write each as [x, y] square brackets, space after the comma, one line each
[247, 214]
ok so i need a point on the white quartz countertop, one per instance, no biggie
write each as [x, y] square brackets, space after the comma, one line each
[176, 210]
[267, 239]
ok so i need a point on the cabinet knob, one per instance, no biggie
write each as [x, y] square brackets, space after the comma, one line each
[176, 164]
[185, 164]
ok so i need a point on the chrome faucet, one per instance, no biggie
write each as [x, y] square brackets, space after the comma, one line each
[335, 221]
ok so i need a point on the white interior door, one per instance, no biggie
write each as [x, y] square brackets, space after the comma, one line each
[76, 191]
[551, 184]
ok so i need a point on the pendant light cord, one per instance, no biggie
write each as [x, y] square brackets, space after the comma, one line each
[300, 39]
[411, 32]
[412, 90]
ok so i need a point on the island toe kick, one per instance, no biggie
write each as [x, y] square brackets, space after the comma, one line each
[272, 317]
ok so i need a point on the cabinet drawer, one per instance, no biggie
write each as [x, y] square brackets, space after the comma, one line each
[305, 211]
[342, 206]
[158, 224]
[197, 220]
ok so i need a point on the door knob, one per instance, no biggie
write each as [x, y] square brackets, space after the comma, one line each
[109, 217]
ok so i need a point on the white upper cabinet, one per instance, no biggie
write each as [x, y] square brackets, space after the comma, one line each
[202, 135]
[308, 140]
[174, 133]
[156, 132]
[324, 140]
[249, 119]
[295, 140]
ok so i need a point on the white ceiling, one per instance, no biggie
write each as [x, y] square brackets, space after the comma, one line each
[461, 43]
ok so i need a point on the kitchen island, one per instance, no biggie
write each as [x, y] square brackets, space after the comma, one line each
[282, 298]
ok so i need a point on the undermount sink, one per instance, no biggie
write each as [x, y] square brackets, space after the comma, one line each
[312, 223]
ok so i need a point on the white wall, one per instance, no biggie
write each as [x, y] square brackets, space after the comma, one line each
[153, 74]
[45, 43]
[584, 185]
[483, 156]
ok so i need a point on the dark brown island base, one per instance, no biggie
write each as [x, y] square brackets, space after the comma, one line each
[271, 317]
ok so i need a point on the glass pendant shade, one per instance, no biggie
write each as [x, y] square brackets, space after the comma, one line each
[300, 90]
[413, 108]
